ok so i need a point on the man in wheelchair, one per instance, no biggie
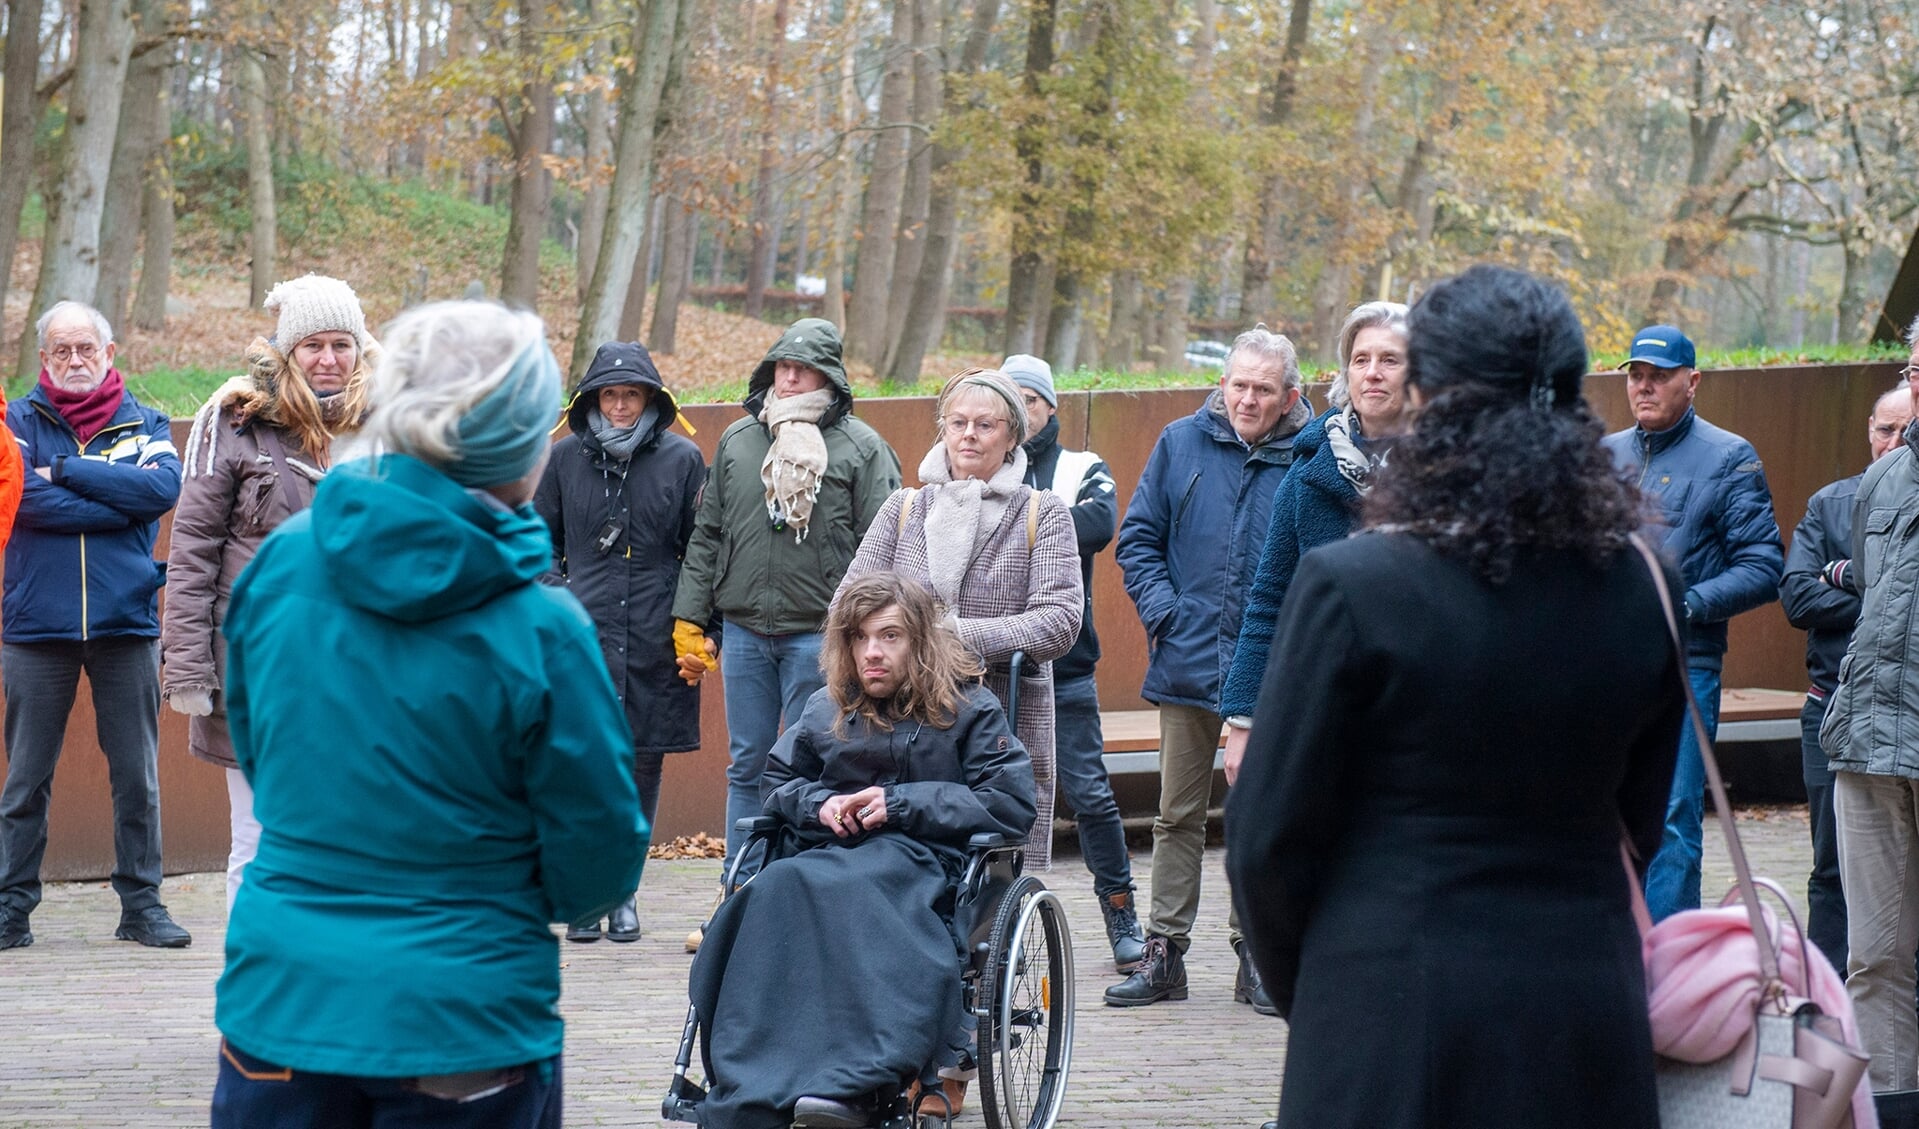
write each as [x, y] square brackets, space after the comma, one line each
[834, 975]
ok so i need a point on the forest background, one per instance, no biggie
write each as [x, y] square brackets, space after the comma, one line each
[1101, 182]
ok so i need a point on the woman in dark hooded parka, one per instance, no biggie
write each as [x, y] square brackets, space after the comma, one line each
[619, 497]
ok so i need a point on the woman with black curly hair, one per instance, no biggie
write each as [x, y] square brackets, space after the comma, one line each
[1463, 705]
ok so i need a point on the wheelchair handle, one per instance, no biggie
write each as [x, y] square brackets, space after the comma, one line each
[1013, 670]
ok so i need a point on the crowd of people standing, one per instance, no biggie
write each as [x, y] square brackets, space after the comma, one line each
[1363, 607]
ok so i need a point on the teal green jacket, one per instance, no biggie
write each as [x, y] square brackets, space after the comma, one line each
[440, 768]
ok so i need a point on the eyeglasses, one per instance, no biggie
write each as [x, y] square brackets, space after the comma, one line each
[85, 352]
[1909, 372]
[984, 428]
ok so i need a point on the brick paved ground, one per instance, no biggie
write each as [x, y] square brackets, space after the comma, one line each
[95, 1032]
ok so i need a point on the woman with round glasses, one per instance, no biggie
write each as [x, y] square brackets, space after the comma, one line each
[1001, 557]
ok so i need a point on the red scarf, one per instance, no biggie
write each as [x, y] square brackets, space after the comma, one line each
[86, 412]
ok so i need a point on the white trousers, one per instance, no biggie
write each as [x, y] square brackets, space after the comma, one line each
[246, 832]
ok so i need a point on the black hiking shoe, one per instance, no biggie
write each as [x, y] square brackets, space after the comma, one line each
[1161, 975]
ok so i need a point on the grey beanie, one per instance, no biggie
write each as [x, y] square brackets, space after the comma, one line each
[314, 304]
[1029, 371]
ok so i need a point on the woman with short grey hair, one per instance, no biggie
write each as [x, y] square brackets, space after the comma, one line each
[438, 761]
[1334, 463]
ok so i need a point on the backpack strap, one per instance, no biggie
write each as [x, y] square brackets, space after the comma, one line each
[906, 510]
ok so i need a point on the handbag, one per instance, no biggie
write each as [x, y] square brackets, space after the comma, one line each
[1793, 1069]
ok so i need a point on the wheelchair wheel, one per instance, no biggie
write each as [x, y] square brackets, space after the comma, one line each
[1026, 1038]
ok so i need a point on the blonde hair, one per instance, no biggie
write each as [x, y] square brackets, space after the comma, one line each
[937, 671]
[281, 397]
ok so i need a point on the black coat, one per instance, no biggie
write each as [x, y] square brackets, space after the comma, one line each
[1423, 841]
[1826, 614]
[628, 587]
[837, 970]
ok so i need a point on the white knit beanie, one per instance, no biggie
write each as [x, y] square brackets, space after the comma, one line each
[315, 304]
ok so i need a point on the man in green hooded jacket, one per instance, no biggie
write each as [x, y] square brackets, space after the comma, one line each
[792, 489]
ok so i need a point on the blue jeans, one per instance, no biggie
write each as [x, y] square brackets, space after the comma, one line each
[1825, 893]
[1077, 747]
[253, 1093]
[767, 677]
[1672, 880]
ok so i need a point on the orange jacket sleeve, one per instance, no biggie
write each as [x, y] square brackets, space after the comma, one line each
[12, 472]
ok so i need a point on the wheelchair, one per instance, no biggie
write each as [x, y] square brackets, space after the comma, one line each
[1017, 984]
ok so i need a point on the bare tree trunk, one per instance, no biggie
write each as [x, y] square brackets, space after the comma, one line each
[925, 308]
[1171, 345]
[676, 269]
[915, 201]
[20, 113]
[1262, 243]
[1022, 280]
[531, 136]
[141, 131]
[765, 246]
[833, 308]
[263, 243]
[879, 219]
[599, 151]
[70, 255]
[634, 312]
[1851, 308]
[156, 218]
[1122, 324]
[658, 36]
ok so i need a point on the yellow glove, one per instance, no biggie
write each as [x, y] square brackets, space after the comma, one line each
[695, 652]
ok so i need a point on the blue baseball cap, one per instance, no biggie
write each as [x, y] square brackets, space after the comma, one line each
[1664, 346]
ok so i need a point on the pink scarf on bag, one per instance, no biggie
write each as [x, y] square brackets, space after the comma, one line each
[1702, 984]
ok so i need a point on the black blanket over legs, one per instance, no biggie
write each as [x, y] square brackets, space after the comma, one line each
[832, 973]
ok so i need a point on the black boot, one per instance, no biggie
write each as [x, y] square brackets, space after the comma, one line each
[1161, 975]
[623, 924]
[1122, 930]
[1248, 988]
[584, 932]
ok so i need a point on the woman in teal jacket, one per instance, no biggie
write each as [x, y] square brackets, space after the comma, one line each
[439, 763]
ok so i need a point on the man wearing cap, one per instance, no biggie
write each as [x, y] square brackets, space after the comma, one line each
[1718, 530]
[82, 594]
[792, 489]
[618, 496]
[1084, 483]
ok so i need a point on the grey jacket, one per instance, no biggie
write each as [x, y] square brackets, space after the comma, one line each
[1872, 721]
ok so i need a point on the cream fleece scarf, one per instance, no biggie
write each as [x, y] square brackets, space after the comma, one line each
[960, 515]
[796, 461]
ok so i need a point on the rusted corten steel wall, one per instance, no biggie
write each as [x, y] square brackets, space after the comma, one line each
[1808, 424]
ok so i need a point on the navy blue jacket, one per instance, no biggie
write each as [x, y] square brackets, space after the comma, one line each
[80, 565]
[1189, 545]
[1316, 505]
[1826, 614]
[1716, 523]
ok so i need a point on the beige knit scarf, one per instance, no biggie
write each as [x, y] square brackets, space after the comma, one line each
[961, 516]
[796, 461]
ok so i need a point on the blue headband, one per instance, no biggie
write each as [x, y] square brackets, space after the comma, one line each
[502, 436]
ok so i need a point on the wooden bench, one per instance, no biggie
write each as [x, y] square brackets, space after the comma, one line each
[1132, 736]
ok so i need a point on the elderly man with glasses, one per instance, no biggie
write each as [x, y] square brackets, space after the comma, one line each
[82, 592]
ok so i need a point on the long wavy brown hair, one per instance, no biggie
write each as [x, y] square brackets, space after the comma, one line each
[282, 398]
[938, 671]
